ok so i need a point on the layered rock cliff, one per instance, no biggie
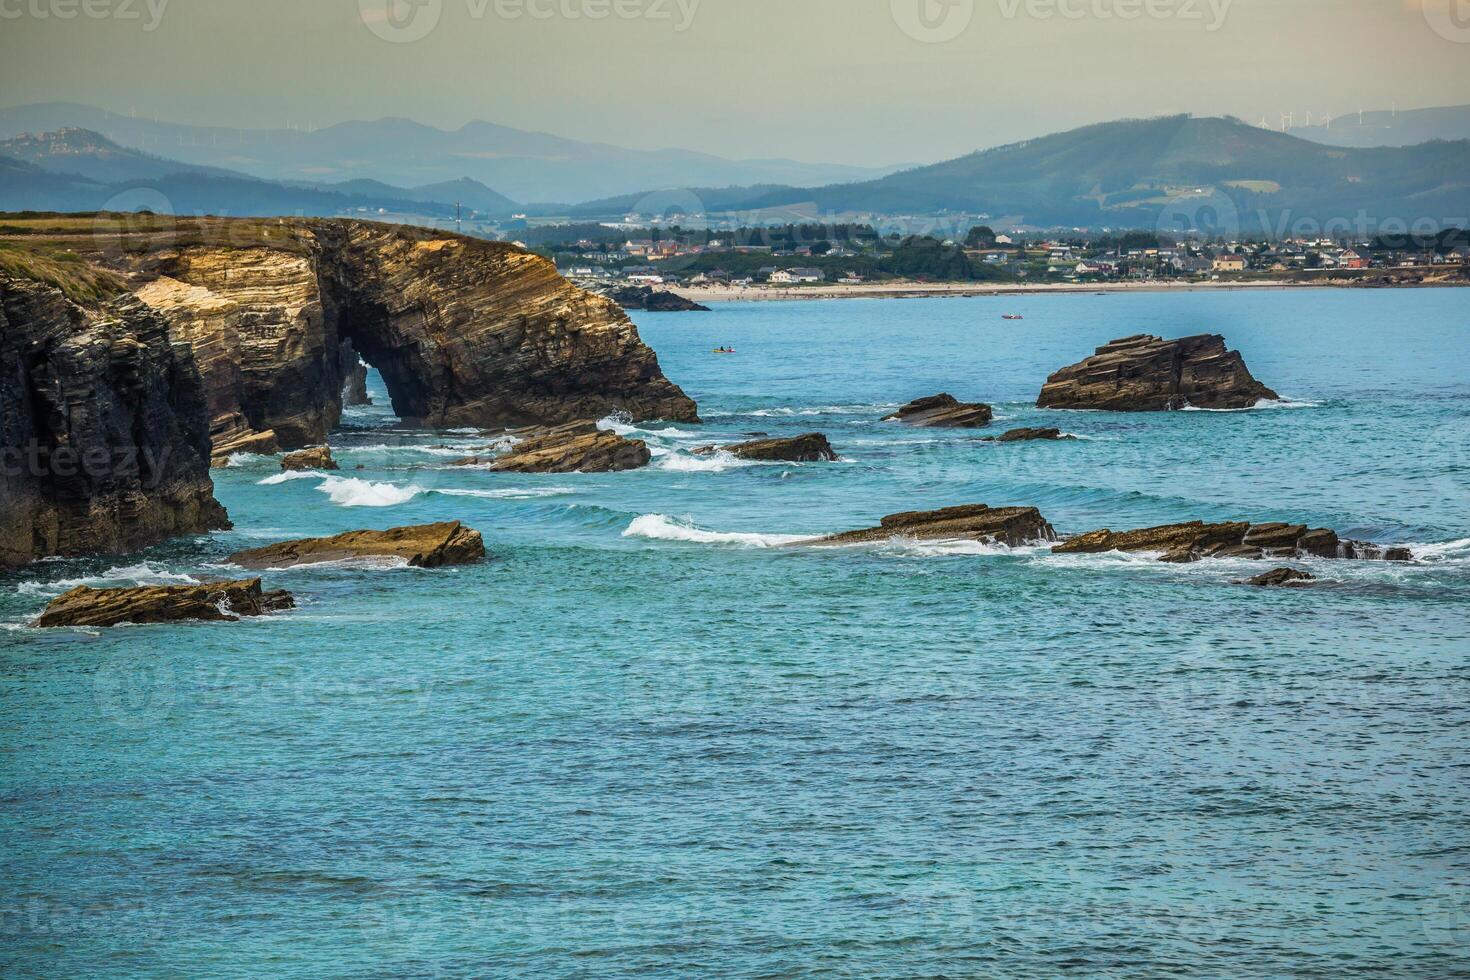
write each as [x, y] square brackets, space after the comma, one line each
[104, 440]
[465, 332]
[1149, 374]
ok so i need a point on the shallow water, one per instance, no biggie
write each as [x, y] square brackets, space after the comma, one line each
[658, 735]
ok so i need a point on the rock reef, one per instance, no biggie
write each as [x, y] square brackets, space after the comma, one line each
[1196, 540]
[580, 447]
[316, 458]
[1149, 374]
[218, 602]
[1012, 526]
[943, 411]
[810, 448]
[654, 300]
[424, 546]
[1280, 578]
[104, 435]
[1029, 435]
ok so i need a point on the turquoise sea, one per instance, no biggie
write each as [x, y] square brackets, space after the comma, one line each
[655, 737]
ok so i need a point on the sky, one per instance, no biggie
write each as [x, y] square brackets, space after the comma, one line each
[872, 82]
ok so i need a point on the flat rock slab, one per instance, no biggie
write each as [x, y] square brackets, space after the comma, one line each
[1280, 578]
[943, 412]
[1029, 435]
[580, 447]
[319, 458]
[1144, 373]
[424, 546]
[1012, 526]
[220, 602]
[1196, 540]
[810, 448]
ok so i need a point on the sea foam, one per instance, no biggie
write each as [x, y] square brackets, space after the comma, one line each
[657, 527]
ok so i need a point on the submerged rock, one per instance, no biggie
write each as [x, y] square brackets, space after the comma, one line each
[943, 411]
[1012, 526]
[318, 458]
[1144, 373]
[1027, 435]
[221, 602]
[654, 300]
[810, 448]
[1281, 578]
[1196, 540]
[581, 447]
[424, 546]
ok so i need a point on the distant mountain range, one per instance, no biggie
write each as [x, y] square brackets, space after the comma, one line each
[1146, 173]
[523, 165]
[80, 170]
[1392, 128]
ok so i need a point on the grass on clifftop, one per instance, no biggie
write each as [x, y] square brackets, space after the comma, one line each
[79, 280]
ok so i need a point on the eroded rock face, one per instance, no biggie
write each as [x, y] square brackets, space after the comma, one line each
[1149, 374]
[581, 447]
[465, 332]
[424, 546]
[317, 458]
[104, 437]
[1029, 435]
[219, 602]
[1196, 540]
[1012, 526]
[943, 411]
[810, 448]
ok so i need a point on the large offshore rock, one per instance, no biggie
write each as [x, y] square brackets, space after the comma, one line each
[316, 458]
[654, 300]
[810, 448]
[221, 602]
[1149, 374]
[424, 546]
[465, 332]
[943, 411]
[580, 447]
[1196, 540]
[104, 436]
[1013, 526]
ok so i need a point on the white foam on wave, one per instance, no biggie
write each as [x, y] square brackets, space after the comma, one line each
[143, 573]
[1262, 405]
[1439, 551]
[785, 412]
[621, 426]
[237, 460]
[657, 527]
[290, 475]
[530, 493]
[352, 492]
[716, 462]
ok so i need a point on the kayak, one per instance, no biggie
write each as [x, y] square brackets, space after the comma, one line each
[1012, 316]
[722, 352]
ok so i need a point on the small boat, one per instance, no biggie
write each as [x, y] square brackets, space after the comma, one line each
[723, 350]
[1012, 316]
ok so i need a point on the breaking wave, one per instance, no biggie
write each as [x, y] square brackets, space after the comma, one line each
[657, 527]
[143, 573]
[352, 492]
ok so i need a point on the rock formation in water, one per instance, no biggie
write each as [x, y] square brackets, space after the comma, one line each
[425, 546]
[1149, 374]
[943, 412]
[217, 602]
[1029, 435]
[1280, 578]
[104, 437]
[1196, 540]
[465, 332]
[810, 448]
[1012, 526]
[580, 447]
[316, 458]
[654, 300]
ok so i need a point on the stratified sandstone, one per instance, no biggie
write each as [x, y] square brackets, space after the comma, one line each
[810, 448]
[218, 602]
[943, 412]
[1196, 540]
[104, 438]
[1012, 526]
[316, 458]
[1029, 435]
[1150, 374]
[581, 447]
[425, 546]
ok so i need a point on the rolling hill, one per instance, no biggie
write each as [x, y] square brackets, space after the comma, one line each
[1388, 127]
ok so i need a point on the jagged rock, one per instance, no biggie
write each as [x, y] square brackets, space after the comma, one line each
[465, 332]
[1013, 526]
[1149, 374]
[242, 440]
[425, 546]
[1027, 435]
[1196, 540]
[1281, 578]
[355, 377]
[654, 300]
[580, 447]
[319, 458]
[943, 412]
[810, 448]
[220, 602]
[104, 437]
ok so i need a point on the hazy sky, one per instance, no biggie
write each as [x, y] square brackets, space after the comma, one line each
[860, 81]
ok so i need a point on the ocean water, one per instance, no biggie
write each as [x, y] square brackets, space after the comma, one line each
[659, 736]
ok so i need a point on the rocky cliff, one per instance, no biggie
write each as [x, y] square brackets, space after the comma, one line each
[104, 441]
[465, 332]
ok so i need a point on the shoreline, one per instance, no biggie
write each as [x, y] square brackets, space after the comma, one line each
[921, 290]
